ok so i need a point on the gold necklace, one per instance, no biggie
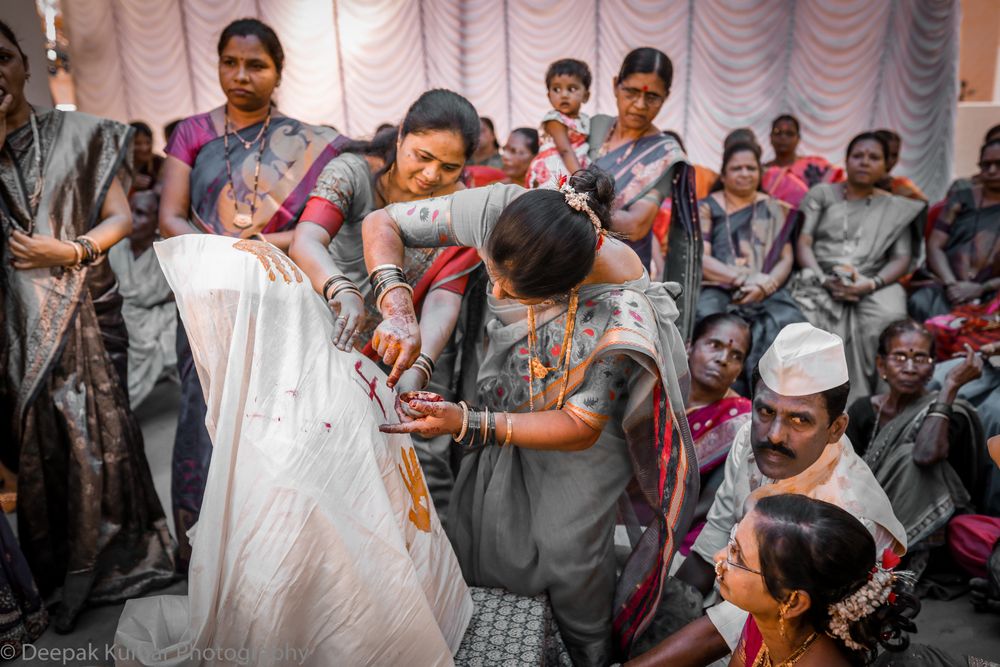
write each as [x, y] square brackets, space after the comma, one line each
[538, 370]
[244, 220]
[764, 657]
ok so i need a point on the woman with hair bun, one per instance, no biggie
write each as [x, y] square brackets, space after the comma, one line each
[578, 397]
[807, 572]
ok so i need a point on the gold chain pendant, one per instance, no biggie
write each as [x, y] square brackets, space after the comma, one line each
[538, 369]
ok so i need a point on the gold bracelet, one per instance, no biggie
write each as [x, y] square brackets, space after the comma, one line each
[510, 430]
[77, 253]
[465, 421]
[381, 297]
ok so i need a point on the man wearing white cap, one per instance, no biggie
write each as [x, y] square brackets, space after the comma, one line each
[794, 444]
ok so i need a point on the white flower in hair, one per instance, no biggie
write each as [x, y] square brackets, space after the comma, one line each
[876, 592]
[579, 201]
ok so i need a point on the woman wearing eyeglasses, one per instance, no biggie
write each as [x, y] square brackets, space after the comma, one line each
[925, 447]
[817, 591]
[643, 160]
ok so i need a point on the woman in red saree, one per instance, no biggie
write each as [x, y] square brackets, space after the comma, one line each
[807, 169]
[901, 186]
[719, 347]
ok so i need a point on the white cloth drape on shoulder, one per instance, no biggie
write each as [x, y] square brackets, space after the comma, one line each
[316, 533]
[842, 66]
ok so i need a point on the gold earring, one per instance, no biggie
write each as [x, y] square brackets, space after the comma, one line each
[782, 610]
[718, 569]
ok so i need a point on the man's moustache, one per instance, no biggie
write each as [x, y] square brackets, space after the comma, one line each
[769, 446]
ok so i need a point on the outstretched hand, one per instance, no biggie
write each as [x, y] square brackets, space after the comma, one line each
[429, 415]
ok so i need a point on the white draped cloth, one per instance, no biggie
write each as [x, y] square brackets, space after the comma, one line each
[842, 66]
[317, 542]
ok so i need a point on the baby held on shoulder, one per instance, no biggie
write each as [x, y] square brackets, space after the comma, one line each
[565, 129]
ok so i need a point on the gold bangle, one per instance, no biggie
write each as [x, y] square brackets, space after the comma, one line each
[381, 297]
[77, 253]
[510, 430]
[465, 421]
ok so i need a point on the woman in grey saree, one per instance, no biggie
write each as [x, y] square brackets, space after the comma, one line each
[855, 244]
[926, 448]
[89, 521]
[595, 438]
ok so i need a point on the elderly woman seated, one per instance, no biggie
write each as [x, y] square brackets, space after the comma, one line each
[926, 448]
[148, 304]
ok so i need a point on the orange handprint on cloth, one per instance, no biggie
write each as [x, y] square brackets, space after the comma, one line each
[420, 514]
[270, 258]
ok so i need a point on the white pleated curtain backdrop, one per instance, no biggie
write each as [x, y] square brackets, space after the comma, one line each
[841, 66]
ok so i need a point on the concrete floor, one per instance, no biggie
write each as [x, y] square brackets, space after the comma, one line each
[953, 626]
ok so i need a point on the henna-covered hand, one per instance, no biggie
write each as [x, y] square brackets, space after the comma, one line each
[412, 382]
[436, 416]
[397, 338]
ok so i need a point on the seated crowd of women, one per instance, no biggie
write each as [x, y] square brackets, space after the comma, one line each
[555, 354]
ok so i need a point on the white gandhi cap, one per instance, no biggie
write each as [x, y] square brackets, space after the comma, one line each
[804, 360]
